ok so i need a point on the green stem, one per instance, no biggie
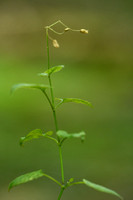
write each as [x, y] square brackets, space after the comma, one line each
[51, 178]
[48, 99]
[76, 183]
[61, 162]
[50, 83]
[61, 192]
[51, 138]
[53, 109]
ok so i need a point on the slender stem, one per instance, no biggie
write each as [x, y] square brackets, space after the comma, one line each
[54, 112]
[47, 48]
[50, 83]
[59, 33]
[53, 109]
[63, 24]
[74, 30]
[55, 119]
[76, 183]
[54, 23]
[51, 138]
[53, 179]
[59, 21]
[48, 99]
[61, 162]
[61, 192]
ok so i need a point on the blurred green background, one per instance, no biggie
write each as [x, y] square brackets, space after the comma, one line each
[98, 68]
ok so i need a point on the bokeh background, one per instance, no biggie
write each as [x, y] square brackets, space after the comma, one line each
[98, 68]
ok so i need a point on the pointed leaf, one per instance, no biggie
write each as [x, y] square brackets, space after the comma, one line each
[26, 178]
[52, 70]
[74, 100]
[64, 135]
[27, 85]
[100, 188]
[37, 133]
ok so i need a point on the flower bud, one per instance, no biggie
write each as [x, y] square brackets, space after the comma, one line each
[66, 29]
[55, 44]
[83, 31]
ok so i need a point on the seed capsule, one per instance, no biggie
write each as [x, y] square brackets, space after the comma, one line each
[66, 29]
[55, 44]
[83, 31]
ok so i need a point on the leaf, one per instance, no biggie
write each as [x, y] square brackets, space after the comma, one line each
[27, 85]
[64, 135]
[52, 70]
[25, 178]
[71, 180]
[100, 188]
[74, 100]
[37, 133]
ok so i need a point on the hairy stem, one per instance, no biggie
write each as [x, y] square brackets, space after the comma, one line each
[54, 113]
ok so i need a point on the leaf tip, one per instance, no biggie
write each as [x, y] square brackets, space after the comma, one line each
[12, 90]
[9, 187]
[21, 141]
[91, 105]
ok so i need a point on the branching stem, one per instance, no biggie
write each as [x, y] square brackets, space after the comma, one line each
[53, 109]
[51, 178]
[61, 192]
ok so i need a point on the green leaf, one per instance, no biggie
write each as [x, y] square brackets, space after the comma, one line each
[37, 133]
[73, 100]
[52, 70]
[64, 135]
[27, 85]
[100, 188]
[26, 178]
[71, 180]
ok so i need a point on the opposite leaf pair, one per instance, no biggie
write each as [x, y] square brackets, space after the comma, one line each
[62, 135]
[38, 174]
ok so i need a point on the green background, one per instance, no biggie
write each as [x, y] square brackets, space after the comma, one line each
[98, 68]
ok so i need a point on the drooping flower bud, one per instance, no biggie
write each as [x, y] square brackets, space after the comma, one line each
[83, 31]
[66, 29]
[55, 44]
